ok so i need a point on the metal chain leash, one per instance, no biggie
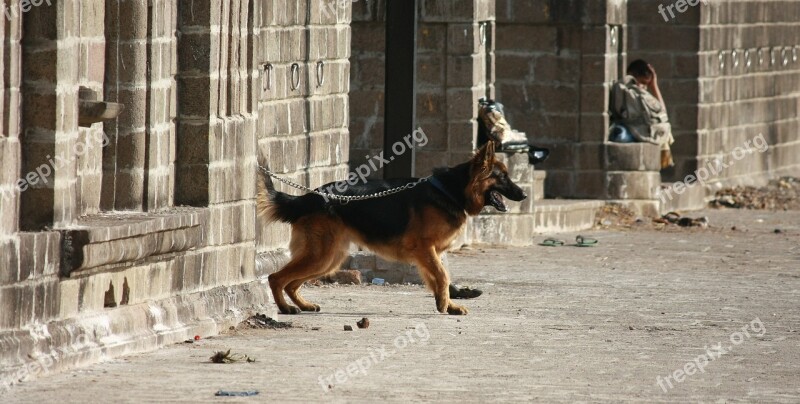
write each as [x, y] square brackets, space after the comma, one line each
[344, 199]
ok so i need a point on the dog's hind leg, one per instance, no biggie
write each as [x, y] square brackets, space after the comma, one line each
[293, 288]
[435, 275]
[310, 254]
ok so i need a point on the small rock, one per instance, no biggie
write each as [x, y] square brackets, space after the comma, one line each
[348, 328]
[315, 328]
[364, 323]
[778, 231]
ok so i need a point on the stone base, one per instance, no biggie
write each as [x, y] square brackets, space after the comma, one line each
[563, 215]
[641, 207]
[93, 336]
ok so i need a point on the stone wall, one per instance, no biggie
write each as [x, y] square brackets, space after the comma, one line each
[556, 61]
[455, 68]
[740, 102]
[152, 237]
[307, 139]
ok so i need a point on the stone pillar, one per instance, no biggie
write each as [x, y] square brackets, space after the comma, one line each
[51, 50]
[10, 33]
[215, 162]
[126, 83]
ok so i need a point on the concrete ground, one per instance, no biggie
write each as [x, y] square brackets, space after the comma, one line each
[605, 323]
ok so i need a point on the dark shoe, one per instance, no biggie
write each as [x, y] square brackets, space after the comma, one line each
[464, 292]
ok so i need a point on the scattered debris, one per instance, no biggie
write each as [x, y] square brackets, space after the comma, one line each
[343, 277]
[615, 215]
[675, 218]
[262, 321]
[228, 357]
[223, 393]
[348, 328]
[780, 194]
[363, 323]
[378, 281]
[315, 328]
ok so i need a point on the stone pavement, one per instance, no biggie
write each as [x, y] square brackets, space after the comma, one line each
[605, 323]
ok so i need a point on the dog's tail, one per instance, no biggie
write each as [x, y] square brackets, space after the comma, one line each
[276, 206]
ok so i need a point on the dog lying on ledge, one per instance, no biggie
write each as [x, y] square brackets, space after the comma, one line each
[411, 226]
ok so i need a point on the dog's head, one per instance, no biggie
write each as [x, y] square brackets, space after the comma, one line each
[489, 182]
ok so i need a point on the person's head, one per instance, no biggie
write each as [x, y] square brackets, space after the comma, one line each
[640, 70]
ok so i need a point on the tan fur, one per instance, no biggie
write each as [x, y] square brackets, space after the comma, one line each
[320, 243]
[264, 207]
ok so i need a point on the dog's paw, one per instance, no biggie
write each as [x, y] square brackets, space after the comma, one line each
[310, 307]
[289, 310]
[457, 310]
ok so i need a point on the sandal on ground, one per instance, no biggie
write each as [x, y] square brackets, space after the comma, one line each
[581, 241]
[551, 242]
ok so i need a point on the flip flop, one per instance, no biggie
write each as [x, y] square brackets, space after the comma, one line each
[585, 241]
[551, 242]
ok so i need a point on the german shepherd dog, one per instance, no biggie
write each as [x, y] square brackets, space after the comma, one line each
[411, 226]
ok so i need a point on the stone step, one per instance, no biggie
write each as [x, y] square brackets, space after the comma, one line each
[564, 215]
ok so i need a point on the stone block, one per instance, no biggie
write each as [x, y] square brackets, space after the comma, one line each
[463, 38]
[632, 185]
[632, 157]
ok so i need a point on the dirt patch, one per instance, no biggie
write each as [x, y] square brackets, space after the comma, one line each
[261, 321]
[779, 194]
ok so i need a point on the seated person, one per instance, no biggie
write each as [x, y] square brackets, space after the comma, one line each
[638, 112]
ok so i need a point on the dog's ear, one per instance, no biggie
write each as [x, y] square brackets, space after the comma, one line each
[484, 158]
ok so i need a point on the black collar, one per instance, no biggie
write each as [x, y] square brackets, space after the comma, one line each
[438, 185]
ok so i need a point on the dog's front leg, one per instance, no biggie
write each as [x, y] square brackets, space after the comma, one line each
[438, 280]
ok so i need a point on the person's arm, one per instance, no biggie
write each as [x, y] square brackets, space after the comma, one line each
[653, 87]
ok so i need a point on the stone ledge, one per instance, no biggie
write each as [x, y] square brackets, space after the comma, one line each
[143, 327]
[117, 238]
